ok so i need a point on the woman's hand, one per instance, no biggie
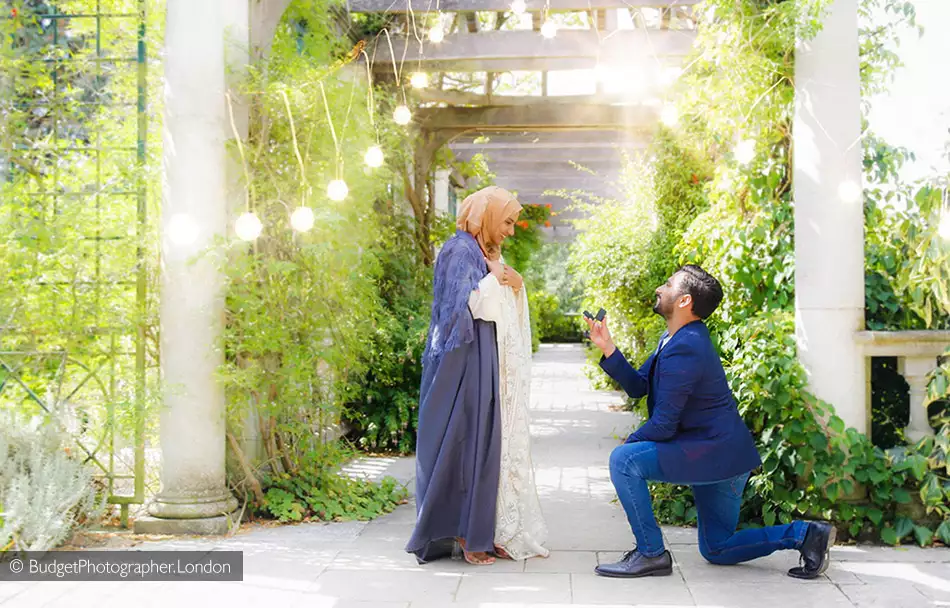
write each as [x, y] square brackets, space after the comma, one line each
[496, 268]
[513, 279]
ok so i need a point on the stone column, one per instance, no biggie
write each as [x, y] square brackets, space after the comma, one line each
[829, 218]
[915, 370]
[194, 498]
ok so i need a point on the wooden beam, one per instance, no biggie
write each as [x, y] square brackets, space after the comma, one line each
[423, 6]
[502, 51]
[464, 98]
[538, 118]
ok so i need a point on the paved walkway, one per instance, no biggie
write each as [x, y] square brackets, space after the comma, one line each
[353, 565]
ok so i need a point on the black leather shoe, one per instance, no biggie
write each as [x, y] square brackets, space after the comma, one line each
[815, 550]
[634, 565]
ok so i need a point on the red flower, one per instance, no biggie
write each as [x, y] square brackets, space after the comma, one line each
[523, 224]
[548, 205]
[14, 13]
[547, 224]
[695, 178]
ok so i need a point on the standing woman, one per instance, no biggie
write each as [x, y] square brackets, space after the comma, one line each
[458, 451]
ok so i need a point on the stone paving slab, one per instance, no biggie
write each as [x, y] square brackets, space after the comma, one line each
[363, 564]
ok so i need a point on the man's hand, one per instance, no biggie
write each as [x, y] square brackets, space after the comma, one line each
[600, 336]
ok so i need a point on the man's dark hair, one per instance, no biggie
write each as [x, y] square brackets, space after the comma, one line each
[704, 289]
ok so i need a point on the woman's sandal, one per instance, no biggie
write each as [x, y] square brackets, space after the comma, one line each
[500, 552]
[476, 558]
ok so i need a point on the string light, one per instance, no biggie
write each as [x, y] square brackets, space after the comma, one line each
[419, 80]
[374, 157]
[549, 29]
[745, 151]
[436, 34]
[248, 227]
[670, 116]
[302, 219]
[849, 191]
[402, 115]
[182, 230]
[337, 190]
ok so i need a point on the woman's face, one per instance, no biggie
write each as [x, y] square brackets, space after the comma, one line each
[506, 229]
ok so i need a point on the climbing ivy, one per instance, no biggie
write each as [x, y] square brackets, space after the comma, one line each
[739, 87]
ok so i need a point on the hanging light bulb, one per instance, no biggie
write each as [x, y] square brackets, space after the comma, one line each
[849, 191]
[745, 151]
[419, 80]
[436, 34]
[302, 219]
[519, 7]
[337, 190]
[248, 227]
[670, 116]
[402, 115]
[670, 75]
[181, 229]
[374, 157]
[549, 29]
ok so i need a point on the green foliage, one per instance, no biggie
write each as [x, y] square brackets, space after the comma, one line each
[317, 491]
[327, 325]
[739, 88]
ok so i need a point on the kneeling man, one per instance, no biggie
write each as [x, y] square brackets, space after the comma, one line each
[694, 436]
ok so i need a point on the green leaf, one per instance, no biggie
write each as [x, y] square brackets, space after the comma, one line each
[901, 496]
[889, 536]
[943, 532]
[923, 535]
[876, 516]
[903, 526]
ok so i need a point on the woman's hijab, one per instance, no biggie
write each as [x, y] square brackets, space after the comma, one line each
[483, 215]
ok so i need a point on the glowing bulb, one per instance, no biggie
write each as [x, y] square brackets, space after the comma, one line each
[745, 151]
[436, 35]
[670, 75]
[670, 116]
[944, 229]
[419, 80]
[849, 191]
[374, 157]
[402, 115]
[337, 190]
[302, 219]
[248, 227]
[549, 29]
[518, 7]
[182, 230]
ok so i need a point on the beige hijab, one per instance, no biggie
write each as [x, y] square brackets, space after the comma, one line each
[483, 215]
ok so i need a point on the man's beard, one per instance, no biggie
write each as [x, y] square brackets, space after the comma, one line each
[659, 309]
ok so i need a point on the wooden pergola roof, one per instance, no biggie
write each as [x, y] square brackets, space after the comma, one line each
[535, 143]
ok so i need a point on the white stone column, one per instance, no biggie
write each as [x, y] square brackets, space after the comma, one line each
[194, 498]
[829, 219]
[915, 370]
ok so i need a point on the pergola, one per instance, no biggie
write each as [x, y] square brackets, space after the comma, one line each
[532, 140]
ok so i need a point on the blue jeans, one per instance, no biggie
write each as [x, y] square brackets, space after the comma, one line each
[717, 510]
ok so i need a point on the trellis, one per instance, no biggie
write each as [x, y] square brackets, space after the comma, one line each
[73, 163]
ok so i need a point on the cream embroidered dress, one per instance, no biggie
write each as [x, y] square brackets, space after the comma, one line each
[519, 523]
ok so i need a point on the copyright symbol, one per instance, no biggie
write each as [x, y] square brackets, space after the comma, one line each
[16, 566]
